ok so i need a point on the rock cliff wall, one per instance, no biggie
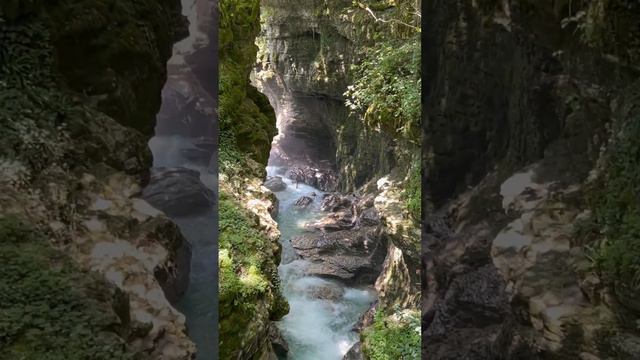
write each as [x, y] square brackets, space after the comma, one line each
[306, 54]
[80, 89]
[528, 106]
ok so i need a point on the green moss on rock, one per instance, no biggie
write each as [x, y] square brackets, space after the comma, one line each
[249, 284]
[245, 115]
[49, 308]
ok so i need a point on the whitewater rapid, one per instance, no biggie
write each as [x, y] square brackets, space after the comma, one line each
[315, 328]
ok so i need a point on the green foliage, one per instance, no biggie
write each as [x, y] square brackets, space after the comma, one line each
[387, 340]
[617, 212]
[387, 88]
[413, 191]
[49, 309]
[32, 129]
[381, 20]
[229, 158]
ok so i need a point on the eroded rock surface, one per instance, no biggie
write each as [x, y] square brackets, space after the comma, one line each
[353, 256]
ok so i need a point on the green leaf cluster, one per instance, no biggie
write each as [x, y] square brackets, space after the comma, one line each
[617, 212]
[387, 87]
[413, 191]
[387, 339]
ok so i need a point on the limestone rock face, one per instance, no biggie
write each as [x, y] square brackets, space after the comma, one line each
[399, 281]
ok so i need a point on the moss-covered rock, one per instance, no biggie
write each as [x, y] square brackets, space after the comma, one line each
[51, 309]
[250, 297]
[392, 337]
[245, 116]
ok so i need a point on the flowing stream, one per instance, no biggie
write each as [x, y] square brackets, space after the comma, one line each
[198, 303]
[317, 327]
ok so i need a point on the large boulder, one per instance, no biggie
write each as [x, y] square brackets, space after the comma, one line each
[335, 202]
[275, 184]
[354, 257]
[324, 180]
[342, 220]
[178, 192]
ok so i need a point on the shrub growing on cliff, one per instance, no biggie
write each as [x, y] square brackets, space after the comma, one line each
[413, 192]
[387, 88]
[617, 212]
[389, 339]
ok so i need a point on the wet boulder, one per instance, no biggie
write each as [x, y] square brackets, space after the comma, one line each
[355, 353]
[369, 217]
[341, 220]
[335, 202]
[303, 174]
[303, 202]
[324, 180]
[178, 192]
[275, 184]
[354, 257]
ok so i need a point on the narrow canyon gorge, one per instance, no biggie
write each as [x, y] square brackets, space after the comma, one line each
[341, 244]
